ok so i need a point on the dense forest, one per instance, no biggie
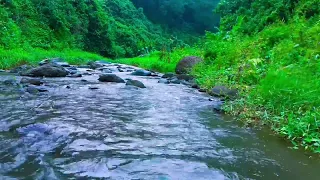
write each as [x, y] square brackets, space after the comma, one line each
[269, 49]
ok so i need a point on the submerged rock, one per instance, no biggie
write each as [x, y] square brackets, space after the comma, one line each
[223, 91]
[135, 83]
[175, 81]
[110, 78]
[141, 72]
[10, 82]
[47, 70]
[21, 69]
[186, 64]
[33, 81]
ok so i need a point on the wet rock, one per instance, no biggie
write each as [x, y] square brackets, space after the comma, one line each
[110, 78]
[135, 83]
[195, 86]
[202, 90]
[68, 87]
[84, 66]
[93, 87]
[169, 75]
[185, 77]
[21, 69]
[107, 71]
[141, 72]
[10, 82]
[175, 81]
[1, 70]
[33, 81]
[55, 61]
[186, 64]
[47, 70]
[32, 90]
[120, 70]
[84, 80]
[42, 89]
[77, 75]
[164, 81]
[87, 74]
[223, 91]
[95, 65]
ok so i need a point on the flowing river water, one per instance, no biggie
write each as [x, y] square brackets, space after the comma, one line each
[120, 132]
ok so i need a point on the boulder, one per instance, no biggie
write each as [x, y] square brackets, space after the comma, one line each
[223, 91]
[110, 78]
[47, 70]
[141, 72]
[186, 64]
[33, 81]
[135, 83]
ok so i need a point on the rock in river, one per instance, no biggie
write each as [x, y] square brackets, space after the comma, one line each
[110, 78]
[32, 81]
[47, 70]
[141, 72]
[135, 83]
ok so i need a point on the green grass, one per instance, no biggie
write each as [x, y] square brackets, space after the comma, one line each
[15, 57]
[161, 61]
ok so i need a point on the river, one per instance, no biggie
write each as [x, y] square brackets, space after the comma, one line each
[120, 132]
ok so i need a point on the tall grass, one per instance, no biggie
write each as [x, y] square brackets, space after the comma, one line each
[14, 57]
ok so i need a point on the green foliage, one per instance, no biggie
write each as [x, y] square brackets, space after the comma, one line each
[113, 28]
[190, 15]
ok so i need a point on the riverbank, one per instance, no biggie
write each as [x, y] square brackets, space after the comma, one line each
[277, 72]
[15, 57]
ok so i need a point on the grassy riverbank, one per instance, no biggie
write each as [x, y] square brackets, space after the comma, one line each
[15, 57]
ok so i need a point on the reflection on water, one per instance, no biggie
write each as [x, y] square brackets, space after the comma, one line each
[118, 132]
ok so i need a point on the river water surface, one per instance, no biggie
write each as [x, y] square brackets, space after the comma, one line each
[120, 132]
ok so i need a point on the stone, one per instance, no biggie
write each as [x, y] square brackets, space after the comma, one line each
[110, 78]
[47, 70]
[223, 91]
[33, 81]
[10, 82]
[135, 83]
[169, 75]
[164, 81]
[93, 88]
[141, 72]
[186, 64]
[84, 66]
[95, 65]
[77, 75]
[21, 69]
[32, 90]
[185, 77]
[175, 81]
